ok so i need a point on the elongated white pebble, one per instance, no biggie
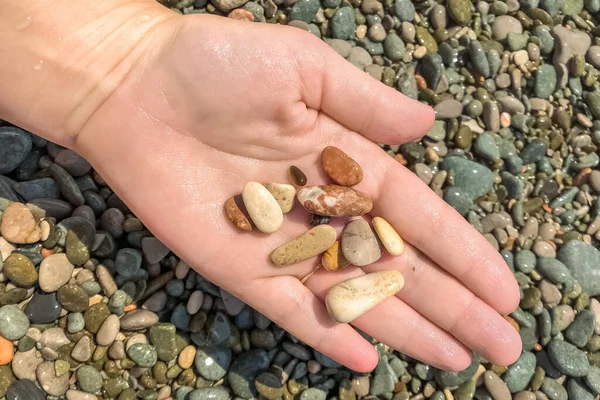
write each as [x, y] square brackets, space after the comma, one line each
[262, 207]
[388, 236]
[350, 299]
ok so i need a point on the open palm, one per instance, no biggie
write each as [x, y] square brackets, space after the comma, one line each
[213, 103]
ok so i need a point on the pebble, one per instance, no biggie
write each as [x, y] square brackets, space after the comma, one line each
[108, 331]
[262, 207]
[545, 81]
[350, 299]
[43, 308]
[296, 175]
[448, 109]
[244, 370]
[310, 244]
[235, 214]
[79, 395]
[24, 364]
[18, 225]
[359, 243]
[13, 322]
[24, 390]
[72, 298]
[334, 200]
[15, 144]
[388, 236]
[37, 188]
[284, 194]
[144, 355]
[67, 185]
[20, 270]
[582, 328]
[269, 386]
[211, 393]
[568, 358]
[503, 25]
[340, 167]
[581, 260]
[233, 305]
[89, 379]
[79, 240]
[55, 271]
[333, 259]
[569, 43]
[592, 379]
[519, 374]
[138, 319]
[50, 383]
[154, 250]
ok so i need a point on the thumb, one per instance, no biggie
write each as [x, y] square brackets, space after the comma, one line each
[358, 101]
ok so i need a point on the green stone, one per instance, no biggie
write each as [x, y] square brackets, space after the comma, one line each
[78, 242]
[519, 374]
[269, 386]
[460, 11]
[13, 322]
[114, 387]
[73, 298]
[89, 379]
[593, 102]
[450, 379]
[568, 358]
[127, 394]
[6, 379]
[304, 10]
[464, 137]
[20, 270]
[545, 81]
[425, 39]
[143, 354]
[95, 316]
[162, 337]
[13, 296]
[572, 7]
[581, 329]
[342, 24]
[61, 367]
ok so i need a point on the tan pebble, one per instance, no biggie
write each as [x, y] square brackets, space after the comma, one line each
[55, 271]
[182, 269]
[284, 194]
[82, 351]
[18, 225]
[334, 201]
[309, 244]
[24, 364]
[44, 230]
[195, 302]
[108, 330]
[391, 240]
[106, 280]
[163, 393]
[54, 338]
[186, 357]
[341, 167]
[79, 395]
[135, 339]
[116, 351]
[359, 244]
[236, 216]
[262, 207]
[420, 52]
[52, 384]
[478, 377]
[5, 248]
[241, 14]
[333, 259]
[496, 386]
[138, 319]
[350, 299]
[361, 31]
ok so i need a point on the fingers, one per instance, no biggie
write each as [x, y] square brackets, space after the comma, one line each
[399, 326]
[293, 307]
[356, 100]
[447, 303]
[434, 227]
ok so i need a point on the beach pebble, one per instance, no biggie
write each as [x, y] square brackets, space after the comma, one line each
[13, 322]
[340, 167]
[154, 250]
[15, 144]
[24, 390]
[20, 270]
[334, 201]
[262, 207]
[284, 194]
[568, 358]
[233, 305]
[18, 225]
[388, 236]
[333, 258]
[50, 383]
[350, 299]
[138, 319]
[108, 331]
[212, 362]
[309, 244]
[55, 271]
[359, 243]
[236, 216]
[25, 363]
[296, 175]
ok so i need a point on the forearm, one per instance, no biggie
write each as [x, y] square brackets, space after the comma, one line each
[61, 59]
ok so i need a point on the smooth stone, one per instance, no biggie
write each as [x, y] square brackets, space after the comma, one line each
[262, 207]
[37, 189]
[577, 390]
[20, 270]
[360, 58]
[343, 48]
[296, 175]
[569, 43]
[313, 394]
[334, 201]
[496, 386]
[18, 225]
[82, 350]
[359, 243]
[154, 250]
[404, 10]
[244, 370]
[24, 390]
[209, 393]
[138, 319]
[582, 260]
[112, 221]
[284, 194]
[519, 374]
[25, 363]
[343, 24]
[269, 386]
[108, 331]
[553, 270]
[50, 383]
[568, 358]
[503, 25]
[163, 337]
[212, 363]
[562, 316]
[233, 305]
[43, 308]
[80, 237]
[304, 10]
[228, 5]
[128, 262]
[67, 185]
[53, 338]
[581, 329]
[553, 389]
[89, 379]
[50, 208]
[474, 179]
[79, 395]
[106, 280]
[394, 47]
[340, 167]
[310, 244]
[545, 81]
[72, 298]
[75, 322]
[143, 354]
[236, 216]
[13, 322]
[347, 300]
[592, 379]
[15, 144]
[72, 162]
[94, 316]
[388, 236]
[456, 378]
[55, 271]
[448, 109]
[486, 148]
[478, 57]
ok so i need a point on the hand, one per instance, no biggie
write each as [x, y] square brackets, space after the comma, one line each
[212, 103]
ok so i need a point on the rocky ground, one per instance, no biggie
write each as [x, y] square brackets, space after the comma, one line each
[514, 147]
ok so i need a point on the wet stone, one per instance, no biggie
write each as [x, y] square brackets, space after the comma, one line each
[582, 259]
[18, 225]
[95, 316]
[296, 175]
[89, 379]
[582, 328]
[24, 390]
[37, 188]
[520, 373]
[13, 322]
[50, 383]
[144, 355]
[244, 370]
[20, 270]
[43, 308]
[128, 262]
[568, 358]
[73, 298]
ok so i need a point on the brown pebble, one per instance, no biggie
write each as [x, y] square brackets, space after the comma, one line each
[333, 259]
[334, 201]
[297, 176]
[236, 216]
[341, 167]
[241, 15]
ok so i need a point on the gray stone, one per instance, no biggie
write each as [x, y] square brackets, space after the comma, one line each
[577, 390]
[342, 24]
[244, 370]
[592, 379]
[545, 81]
[212, 363]
[24, 389]
[13, 322]
[210, 393]
[89, 379]
[37, 188]
[519, 374]
[486, 148]
[568, 358]
[582, 328]
[15, 144]
[404, 10]
[583, 261]
[43, 308]
[553, 389]
[450, 379]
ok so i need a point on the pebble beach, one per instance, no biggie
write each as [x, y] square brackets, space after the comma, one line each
[93, 306]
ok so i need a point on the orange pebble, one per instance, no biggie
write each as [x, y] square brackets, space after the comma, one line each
[537, 347]
[421, 82]
[547, 208]
[512, 322]
[400, 158]
[130, 307]
[510, 243]
[241, 15]
[582, 176]
[95, 299]
[7, 350]
[47, 252]
[505, 119]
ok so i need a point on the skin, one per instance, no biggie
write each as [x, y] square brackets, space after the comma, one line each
[177, 113]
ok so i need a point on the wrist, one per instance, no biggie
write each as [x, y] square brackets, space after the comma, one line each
[64, 60]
